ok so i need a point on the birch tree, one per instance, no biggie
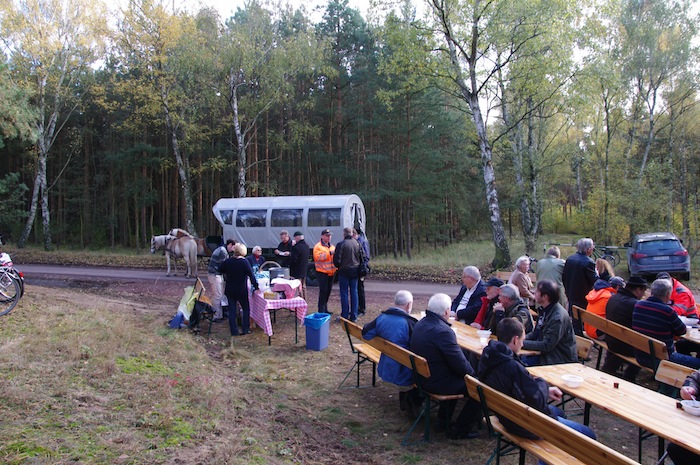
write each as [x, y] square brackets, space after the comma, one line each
[51, 44]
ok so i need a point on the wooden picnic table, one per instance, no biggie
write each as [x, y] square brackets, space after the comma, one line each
[468, 339]
[647, 409]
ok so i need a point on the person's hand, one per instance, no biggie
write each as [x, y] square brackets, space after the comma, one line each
[555, 393]
[277, 251]
[476, 325]
[688, 392]
[498, 307]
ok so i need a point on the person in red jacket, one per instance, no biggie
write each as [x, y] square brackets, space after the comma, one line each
[597, 299]
[682, 299]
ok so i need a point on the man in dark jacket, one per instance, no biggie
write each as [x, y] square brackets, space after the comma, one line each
[553, 337]
[434, 339]
[395, 324]
[501, 369]
[619, 309]
[299, 260]
[465, 307]
[347, 258]
[579, 276]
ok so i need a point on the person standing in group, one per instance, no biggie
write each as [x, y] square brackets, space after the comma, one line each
[466, 306]
[284, 249]
[551, 267]
[396, 325]
[216, 281]
[256, 258]
[364, 244]
[325, 270]
[578, 277]
[347, 258]
[237, 271]
[298, 260]
[521, 279]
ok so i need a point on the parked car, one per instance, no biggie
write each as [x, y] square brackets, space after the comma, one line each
[652, 253]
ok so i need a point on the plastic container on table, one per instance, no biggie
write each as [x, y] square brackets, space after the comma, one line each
[317, 326]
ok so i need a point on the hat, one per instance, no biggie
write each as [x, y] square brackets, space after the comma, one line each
[494, 282]
[663, 275]
[617, 281]
[298, 233]
[636, 281]
[326, 232]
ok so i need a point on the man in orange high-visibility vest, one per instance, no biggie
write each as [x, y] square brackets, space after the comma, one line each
[325, 270]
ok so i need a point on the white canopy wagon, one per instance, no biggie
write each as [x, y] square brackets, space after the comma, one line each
[259, 220]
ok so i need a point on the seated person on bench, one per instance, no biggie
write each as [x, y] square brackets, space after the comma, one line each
[553, 336]
[679, 455]
[434, 340]
[501, 368]
[396, 325]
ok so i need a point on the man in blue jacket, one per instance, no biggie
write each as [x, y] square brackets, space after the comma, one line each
[396, 325]
[434, 340]
[465, 307]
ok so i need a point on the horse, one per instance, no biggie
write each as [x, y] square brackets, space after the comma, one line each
[203, 249]
[183, 247]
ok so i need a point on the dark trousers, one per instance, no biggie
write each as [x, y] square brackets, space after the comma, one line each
[325, 285]
[681, 456]
[361, 303]
[467, 419]
[245, 313]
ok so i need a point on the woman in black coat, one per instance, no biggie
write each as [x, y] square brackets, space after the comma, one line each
[237, 271]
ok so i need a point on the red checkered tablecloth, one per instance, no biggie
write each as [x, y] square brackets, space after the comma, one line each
[260, 309]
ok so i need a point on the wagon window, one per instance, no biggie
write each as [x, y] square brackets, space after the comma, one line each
[251, 218]
[324, 217]
[286, 217]
[226, 216]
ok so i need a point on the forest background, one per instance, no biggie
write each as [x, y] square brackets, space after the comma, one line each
[474, 119]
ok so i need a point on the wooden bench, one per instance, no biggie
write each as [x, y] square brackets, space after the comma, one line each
[364, 351]
[653, 347]
[418, 365]
[559, 444]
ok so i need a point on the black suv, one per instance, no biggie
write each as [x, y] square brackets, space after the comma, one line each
[652, 253]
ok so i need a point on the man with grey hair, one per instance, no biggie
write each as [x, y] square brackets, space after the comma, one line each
[551, 267]
[465, 307]
[434, 339]
[655, 318]
[578, 277]
[395, 324]
[510, 305]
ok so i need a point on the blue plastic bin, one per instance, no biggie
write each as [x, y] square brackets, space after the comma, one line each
[317, 326]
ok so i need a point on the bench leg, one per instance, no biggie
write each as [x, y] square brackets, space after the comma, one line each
[600, 356]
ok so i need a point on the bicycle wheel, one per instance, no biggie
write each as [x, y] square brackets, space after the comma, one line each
[10, 293]
[612, 257]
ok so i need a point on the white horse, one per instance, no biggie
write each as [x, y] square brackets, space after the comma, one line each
[183, 247]
[203, 249]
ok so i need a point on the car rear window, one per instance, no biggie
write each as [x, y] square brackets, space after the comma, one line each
[661, 246]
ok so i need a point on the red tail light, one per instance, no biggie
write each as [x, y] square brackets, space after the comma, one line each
[638, 255]
[682, 253]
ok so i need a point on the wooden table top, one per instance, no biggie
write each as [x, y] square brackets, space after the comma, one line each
[640, 406]
[468, 339]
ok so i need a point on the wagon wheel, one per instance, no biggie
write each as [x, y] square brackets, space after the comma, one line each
[269, 265]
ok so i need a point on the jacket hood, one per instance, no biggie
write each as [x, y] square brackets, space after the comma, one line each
[601, 284]
[601, 290]
[494, 354]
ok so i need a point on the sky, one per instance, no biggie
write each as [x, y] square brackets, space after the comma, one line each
[227, 7]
